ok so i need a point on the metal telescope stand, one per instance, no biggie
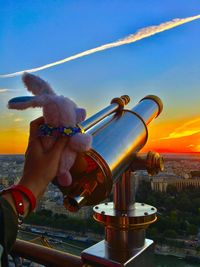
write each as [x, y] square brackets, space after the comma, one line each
[125, 222]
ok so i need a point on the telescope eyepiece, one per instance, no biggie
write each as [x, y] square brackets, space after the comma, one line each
[126, 99]
[121, 101]
[157, 100]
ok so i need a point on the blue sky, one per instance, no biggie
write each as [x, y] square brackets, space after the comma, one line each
[34, 33]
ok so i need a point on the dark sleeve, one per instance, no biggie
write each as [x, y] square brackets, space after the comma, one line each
[8, 228]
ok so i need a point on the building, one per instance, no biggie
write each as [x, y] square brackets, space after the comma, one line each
[161, 184]
[4, 182]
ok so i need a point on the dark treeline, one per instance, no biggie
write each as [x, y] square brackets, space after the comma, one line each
[178, 211]
[64, 222]
[178, 215]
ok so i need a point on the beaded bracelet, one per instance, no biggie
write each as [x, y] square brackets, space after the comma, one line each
[48, 130]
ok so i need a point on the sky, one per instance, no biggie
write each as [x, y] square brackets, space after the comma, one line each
[36, 33]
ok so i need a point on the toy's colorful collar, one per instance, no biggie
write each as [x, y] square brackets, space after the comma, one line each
[47, 130]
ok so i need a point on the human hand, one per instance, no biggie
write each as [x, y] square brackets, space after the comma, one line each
[40, 166]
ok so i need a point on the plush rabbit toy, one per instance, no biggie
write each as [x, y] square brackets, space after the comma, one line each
[61, 116]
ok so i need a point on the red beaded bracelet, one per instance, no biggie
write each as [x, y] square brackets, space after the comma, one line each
[18, 199]
[15, 191]
[27, 192]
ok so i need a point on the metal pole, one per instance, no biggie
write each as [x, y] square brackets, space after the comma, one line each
[121, 236]
[124, 193]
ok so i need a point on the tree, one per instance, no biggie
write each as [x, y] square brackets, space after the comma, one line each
[152, 232]
[192, 229]
[170, 233]
[171, 190]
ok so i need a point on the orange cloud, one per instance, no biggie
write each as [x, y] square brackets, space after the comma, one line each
[18, 119]
[167, 137]
[178, 145]
[189, 128]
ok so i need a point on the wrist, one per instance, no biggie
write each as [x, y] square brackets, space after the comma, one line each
[8, 197]
[31, 184]
[21, 199]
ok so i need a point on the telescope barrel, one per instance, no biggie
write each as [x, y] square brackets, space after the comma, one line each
[118, 137]
[98, 116]
[117, 104]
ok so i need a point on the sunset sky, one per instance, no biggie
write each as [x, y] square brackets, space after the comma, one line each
[35, 33]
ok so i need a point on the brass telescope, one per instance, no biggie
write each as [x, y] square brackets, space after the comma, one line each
[118, 134]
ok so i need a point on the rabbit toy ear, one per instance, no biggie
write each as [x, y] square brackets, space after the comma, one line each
[36, 85]
[24, 102]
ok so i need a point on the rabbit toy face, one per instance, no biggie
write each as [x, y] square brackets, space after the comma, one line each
[58, 111]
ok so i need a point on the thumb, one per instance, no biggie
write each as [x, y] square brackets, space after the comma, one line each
[58, 147]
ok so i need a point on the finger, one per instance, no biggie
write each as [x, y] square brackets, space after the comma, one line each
[34, 125]
[35, 146]
[58, 147]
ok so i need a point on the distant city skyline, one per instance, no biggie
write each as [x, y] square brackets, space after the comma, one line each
[167, 64]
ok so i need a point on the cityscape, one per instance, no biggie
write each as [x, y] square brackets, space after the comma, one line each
[181, 173]
[11, 167]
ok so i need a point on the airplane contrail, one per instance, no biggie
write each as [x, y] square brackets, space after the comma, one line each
[4, 90]
[140, 34]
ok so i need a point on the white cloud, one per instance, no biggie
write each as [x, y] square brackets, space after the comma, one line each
[18, 119]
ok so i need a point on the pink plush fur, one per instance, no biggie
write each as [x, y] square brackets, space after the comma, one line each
[57, 111]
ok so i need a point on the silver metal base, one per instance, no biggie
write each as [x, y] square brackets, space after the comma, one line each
[101, 255]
